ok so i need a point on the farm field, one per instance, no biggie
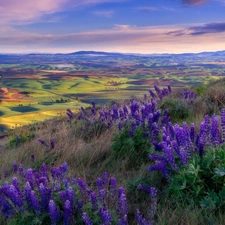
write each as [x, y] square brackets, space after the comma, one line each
[36, 87]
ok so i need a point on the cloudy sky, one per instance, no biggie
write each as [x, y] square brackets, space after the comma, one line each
[134, 26]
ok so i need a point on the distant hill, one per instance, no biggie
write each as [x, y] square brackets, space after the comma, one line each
[97, 53]
[116, 54]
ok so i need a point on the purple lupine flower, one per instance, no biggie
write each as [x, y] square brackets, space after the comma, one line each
[133, 128]
[79, 204]
[122, 208]
[42, 142]
[223, 124]
[171, 130]
[45, 195]
[15, 183]
[153, 193]
[70, 114]
[34, 202]
[197, 140]
[120, 126]
[28, 190]
[14, 196]
[125, 110]
[29, 177]
[158, 91]
[66, 182]
[86, 219]
[6, 173]
[168, 151]
[169, 89]
[32, 157]
[112, 184]
[64, 168]
[157, 157]
[140, 220]
[93, 104]
[166, 119]
[70, 196]
[43, 180]
[215, 132]
[53, 212]
[201, 147]
[123, 220]
[67, 212]
[202, 131]
[207, 130]
[183, 156]
[82, 184]
[99, 183]
[152, 94]
[154, 132]
[102, 195]
[164, 136]
[52, 143]
[156, 116]
[94, 201]
[6, 207]
[44, 171]
[159, 166]
[159, 146]
[192, 132]
[63, 196]
[105, 216]
[15, 167]
[105, 178]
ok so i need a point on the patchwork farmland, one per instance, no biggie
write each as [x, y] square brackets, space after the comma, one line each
[36, 87]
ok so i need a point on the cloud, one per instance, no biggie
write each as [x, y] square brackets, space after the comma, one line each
[148, 9]
[122, 27]
[29, 11]
[105, 13]
[20, 11]
[209, 28]
[194, 2]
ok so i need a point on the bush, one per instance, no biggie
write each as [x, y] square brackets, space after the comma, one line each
[178, 109]
[201, 181]
[134, 149]
[17, 140]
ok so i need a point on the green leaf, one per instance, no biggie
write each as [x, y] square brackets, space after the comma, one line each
[220, 172]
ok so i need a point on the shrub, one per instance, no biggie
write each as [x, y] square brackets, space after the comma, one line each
[201, 181]
[19, 139]
[135, 149]
[178, 109]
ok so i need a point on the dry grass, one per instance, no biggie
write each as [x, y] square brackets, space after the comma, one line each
[70, 147]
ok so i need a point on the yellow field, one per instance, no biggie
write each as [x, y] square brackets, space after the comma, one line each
[28, 118]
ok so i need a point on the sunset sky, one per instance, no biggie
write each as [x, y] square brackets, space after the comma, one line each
[127, 26]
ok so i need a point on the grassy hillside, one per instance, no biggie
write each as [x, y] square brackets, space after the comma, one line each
[172, 172]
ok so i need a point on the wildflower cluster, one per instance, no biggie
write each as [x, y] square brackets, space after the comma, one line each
[51, 195]
[180, 142]
[137, 113]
